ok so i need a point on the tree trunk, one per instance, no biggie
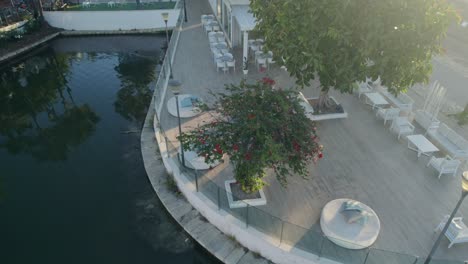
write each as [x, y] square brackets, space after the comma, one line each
[323, 101]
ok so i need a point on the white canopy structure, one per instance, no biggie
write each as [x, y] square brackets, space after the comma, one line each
[244, 18]
[246, 22]
[236, 21]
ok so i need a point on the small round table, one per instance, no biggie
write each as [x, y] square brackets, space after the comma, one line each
[185, 111]
[348, 235]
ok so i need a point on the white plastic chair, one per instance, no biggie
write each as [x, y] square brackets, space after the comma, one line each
[254, 48]
[212, 34]
[217, 56]
[270, 59]
[208, 28]
[364, 87]
[213, 40]
[445, 165]
[261, 62]
[388, 113]
[206, 18]
[402, 126]
[220, 64]
[231, 64]
[457, 231]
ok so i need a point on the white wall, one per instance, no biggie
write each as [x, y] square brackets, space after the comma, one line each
[111, 20]
[238, 2]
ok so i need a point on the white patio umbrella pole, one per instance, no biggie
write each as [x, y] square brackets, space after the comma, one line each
[245, 54]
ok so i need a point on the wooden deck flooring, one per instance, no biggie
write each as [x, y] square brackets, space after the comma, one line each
[362, 160]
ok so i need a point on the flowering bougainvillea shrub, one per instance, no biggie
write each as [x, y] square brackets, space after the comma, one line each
[258, 127]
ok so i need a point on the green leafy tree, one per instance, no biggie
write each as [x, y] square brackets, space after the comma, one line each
[259, 128]
[343, 41]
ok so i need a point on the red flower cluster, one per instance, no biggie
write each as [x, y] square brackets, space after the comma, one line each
[248, 156]
[218, 149]
[251, 116]
[296, 146]
[235, 147]
[201, 140]
[269, 81]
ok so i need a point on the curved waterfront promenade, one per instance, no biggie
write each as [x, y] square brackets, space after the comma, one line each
[363, 161]
[214, 241]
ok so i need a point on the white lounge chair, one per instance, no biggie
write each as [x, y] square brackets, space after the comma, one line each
[402, 126]
[364, 87]
[456, 233]
[388, 113]
[444, 165]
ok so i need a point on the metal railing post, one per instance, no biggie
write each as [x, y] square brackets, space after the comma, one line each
[321, 245]
[167, 146]
[367, 255]
[196, 180]
[247, 217]
[281, 235]
[219, 200]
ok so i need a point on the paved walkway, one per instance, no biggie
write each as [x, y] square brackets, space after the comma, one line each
[363, 160]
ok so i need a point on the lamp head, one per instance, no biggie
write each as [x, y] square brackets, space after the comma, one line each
[165, 16]
[174, 85]
[465, 182]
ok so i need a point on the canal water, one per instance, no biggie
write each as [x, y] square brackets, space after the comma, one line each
[73, 188]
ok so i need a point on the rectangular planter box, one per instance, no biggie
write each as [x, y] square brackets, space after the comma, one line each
[242, 203]
[327, 116]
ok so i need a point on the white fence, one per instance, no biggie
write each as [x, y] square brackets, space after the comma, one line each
[111, 20]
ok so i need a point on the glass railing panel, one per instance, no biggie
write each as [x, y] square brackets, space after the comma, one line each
[264, 222]
[209, 189]
[444, 261]
[331, 250]
[302, 238]
[239, 213]
[377, 256]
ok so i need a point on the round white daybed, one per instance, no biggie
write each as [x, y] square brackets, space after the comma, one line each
[186, 108]
[349, 235]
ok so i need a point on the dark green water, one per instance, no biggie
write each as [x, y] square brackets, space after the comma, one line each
[72, 183]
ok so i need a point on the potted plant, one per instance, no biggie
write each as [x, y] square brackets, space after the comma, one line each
[259, 128]
[245, 66]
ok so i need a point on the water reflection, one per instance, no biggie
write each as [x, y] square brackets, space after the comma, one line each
[67, 165]
[37, 111]
[136, 71]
